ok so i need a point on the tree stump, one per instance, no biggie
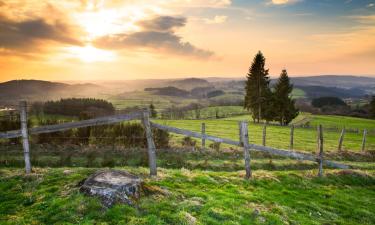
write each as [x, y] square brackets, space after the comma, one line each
[113, 186]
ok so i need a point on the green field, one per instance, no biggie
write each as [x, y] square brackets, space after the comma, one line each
[222, 112]
[277, 136]
[143, 99]
[196, 187]
[281, 192]
[342, 121]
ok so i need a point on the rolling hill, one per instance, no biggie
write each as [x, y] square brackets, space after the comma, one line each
[36, 90]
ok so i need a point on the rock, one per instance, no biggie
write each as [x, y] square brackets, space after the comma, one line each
[113, 186]
[191, 220]
[67, 172]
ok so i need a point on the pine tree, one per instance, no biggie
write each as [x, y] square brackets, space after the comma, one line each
[284, 105]
[372, 107]
[153, 112]
[257, 88]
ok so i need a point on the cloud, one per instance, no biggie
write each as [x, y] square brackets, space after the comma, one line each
[216, 20]
[162, 23]
[199, 3]
[282, 2]
[370, 5]
[26, 33]
[157, 34]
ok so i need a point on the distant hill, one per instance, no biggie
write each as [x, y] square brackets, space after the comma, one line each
[169, 91]
[190, 83]
[319, 91]
[38, 90]
[335, 81]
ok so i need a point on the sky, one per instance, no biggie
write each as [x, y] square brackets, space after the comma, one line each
[158, 39]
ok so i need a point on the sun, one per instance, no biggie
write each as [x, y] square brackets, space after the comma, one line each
[109, 21]
[90, 54]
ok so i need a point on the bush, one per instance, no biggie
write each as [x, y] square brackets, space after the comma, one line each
[66, 157]
[108, 160]
[188, 142]
[161, 138]
[91, 157]
[215, 146]
[62, 137]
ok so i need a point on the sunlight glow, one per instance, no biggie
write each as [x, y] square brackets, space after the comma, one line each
[103, 22]
[91, 54]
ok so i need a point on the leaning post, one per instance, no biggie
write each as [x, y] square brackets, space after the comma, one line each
[264, 135]
[342, 135]
[246, 147]
[364, 140]
[25, 136]
[150, 143]
[203, 135]
[291, 146]
[320, 148]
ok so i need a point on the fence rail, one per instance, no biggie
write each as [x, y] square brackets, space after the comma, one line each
[243, 140]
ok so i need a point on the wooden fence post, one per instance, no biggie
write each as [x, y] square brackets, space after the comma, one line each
[264, 135]
[364, 140]
[150, 143]
[246, 147]
[203, 136]
[240, 131]
[320, 148]
[291, 146]
[341, 139]
[25, 136]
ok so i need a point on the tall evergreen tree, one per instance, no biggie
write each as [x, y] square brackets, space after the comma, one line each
[372, 107]
[153, 112]
[284, 105]
[257, 88]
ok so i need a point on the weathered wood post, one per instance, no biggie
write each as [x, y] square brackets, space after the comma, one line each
[203, 136]
[25, 136]
[240, 131]
[320, 148]
[150, 143]
[264, 135]
[244, 140]
[291, 146]
[364, 140]
[342, 135]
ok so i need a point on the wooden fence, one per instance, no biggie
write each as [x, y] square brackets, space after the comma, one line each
[243, 141]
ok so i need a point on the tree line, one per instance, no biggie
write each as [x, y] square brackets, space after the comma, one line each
[266, 102]
[74, 107]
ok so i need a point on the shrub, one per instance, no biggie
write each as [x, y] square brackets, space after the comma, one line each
[66, 157]
[55, 137]
[188, 142]
[215, 146]
[161, 138]
[91, 157]
[108, 160]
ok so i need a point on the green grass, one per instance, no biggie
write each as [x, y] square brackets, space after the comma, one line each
[277, 136]
[342, 121]
[143, 99]
[223, 111]
[62, 119]
[51, 196]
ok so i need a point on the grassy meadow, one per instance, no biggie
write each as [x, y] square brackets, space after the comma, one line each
[277, 136]
[198, 186]
[275, 195]
[342, 121]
